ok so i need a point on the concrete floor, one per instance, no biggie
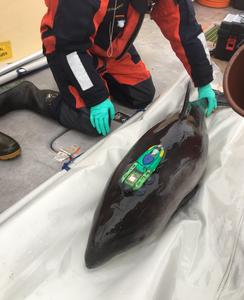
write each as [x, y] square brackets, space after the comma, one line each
[207, 16]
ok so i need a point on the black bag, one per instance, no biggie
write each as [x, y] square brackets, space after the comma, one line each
[230, 38]
[238, 4]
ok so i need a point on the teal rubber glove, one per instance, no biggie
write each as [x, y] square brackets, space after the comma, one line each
[206, 91]
[99, 116]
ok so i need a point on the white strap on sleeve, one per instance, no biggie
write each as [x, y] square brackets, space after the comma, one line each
[79, 71]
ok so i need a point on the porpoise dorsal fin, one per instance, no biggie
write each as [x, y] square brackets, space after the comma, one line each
[185, 110]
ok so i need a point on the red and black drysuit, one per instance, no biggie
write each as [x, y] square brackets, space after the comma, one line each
[89, 47]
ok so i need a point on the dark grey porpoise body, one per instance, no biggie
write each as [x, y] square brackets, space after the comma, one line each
[124, 219]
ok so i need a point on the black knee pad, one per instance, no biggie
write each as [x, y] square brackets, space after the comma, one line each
[142, 94]
[148, 93]
[77, 119]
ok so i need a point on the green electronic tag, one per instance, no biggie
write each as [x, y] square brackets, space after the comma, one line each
[142, 169]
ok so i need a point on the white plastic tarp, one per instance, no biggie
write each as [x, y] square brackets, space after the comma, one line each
[198, 257]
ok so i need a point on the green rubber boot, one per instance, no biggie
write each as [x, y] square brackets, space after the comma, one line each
[9, 148]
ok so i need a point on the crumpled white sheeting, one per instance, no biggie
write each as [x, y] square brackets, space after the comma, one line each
[198, 257]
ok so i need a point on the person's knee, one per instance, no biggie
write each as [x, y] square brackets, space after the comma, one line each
[143, 94]
[77, 119]
[150, 92]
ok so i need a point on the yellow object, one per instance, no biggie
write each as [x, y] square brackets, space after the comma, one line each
[5, 50]
[162, 153]
[20, 24]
